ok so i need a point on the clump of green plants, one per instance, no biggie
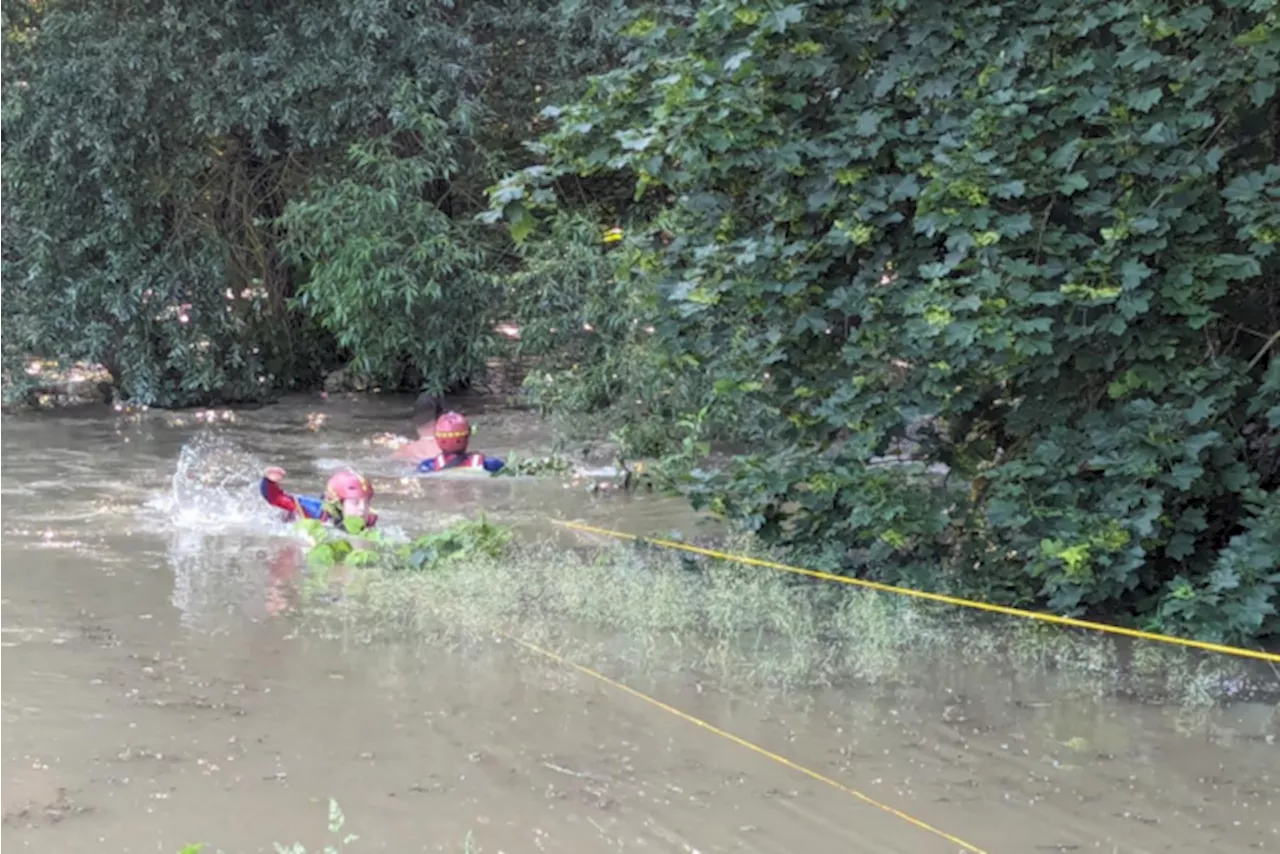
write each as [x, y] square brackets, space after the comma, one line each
[645, 610]
[330, 547]
[640, 607]
[552, 465]
[465, 541]
[357, 545]
[336, 822]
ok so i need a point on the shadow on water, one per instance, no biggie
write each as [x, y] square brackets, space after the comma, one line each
[170, 663]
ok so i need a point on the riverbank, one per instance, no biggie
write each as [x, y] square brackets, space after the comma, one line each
[48, 385]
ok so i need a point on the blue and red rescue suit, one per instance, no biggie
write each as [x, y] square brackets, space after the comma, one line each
[305, 506]
[460, 461]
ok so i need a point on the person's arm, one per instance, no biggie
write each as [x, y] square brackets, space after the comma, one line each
[418, 449]
[274, 494]
[493, 464]
[426, 466]
[309, 507]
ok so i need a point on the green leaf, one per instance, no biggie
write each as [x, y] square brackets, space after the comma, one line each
[1133, 273]
[322, 555]
[788, 15]
[1257, 36]
[1072, 184]
[1236, 477]
[868, 123]
[421, 557]
[1183, 475]
[733, 63]
[1224, 578]
[1181, 545]
[520, 221]
[1262, 91]
[1145, 99]
[1009, 190]
[1065, 156]
[1200, 410]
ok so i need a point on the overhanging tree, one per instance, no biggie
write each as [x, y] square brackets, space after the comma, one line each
[151, 147]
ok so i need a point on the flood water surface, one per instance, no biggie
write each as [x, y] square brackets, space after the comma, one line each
[160, 687]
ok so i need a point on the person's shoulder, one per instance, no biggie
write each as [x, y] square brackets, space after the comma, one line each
[419, 449]
[312, 507]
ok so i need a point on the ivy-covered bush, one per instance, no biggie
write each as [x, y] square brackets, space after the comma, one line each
[1032, 242]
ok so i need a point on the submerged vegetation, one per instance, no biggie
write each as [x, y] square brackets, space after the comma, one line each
[337, 821]
[660, 613]
[969, 297]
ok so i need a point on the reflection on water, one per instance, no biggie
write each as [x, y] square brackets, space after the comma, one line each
[156, 692]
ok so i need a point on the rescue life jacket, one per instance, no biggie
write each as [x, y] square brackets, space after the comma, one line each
[470, 460]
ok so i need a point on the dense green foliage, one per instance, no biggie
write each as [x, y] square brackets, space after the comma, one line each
[224, 199]
[1032, 242]
[1031, 246]
[583, 315]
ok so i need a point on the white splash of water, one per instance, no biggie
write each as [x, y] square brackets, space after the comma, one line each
[215, 487]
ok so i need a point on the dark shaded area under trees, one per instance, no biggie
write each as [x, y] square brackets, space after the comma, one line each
[1032, 243]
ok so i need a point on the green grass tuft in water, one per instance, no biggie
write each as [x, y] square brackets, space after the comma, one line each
[643, 610]
[337, 820]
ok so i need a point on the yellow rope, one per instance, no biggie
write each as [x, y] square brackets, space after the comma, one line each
[755, 748]
[934, 597]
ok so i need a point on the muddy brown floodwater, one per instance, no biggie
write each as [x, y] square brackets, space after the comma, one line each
[154, 697]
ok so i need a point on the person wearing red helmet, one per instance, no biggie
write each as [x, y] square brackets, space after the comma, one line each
[347, 495]
[453, 432]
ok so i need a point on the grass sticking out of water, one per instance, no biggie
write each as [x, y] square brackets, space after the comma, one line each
[659, 613]
[337, 819]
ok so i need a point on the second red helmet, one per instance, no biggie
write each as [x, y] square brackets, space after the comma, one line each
[453, 431]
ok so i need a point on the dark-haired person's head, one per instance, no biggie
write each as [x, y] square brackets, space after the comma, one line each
[425, 412]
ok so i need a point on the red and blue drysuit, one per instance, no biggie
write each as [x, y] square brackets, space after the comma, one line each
[460, 461]
[305, 506]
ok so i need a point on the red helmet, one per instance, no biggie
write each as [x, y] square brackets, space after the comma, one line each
[453, 430]
[346, 485]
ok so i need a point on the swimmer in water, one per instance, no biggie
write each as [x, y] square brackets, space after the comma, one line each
[346, 496]
[452, 433]
[425, 413]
